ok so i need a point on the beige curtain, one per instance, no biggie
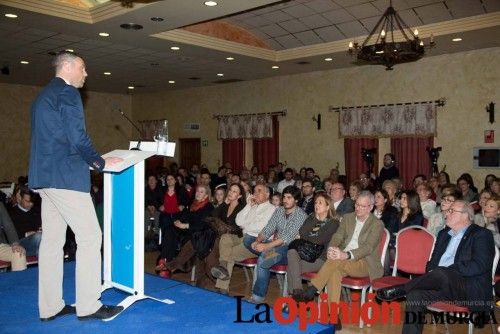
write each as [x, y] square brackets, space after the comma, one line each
[245, 126]
[386, 121]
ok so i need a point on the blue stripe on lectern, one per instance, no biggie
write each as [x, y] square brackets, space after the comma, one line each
[122, 228]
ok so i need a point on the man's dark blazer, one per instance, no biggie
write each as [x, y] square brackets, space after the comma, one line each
[346, 206]
[309, 207]
[473, 260]
[61, 151]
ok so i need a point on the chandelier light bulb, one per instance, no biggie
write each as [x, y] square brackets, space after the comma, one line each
[415, 32]
[421, 43]
[382, 33]
[351, 45]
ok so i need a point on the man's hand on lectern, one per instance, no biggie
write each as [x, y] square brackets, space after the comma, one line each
[112, 161]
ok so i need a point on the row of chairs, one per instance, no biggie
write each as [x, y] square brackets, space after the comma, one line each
[414, 247]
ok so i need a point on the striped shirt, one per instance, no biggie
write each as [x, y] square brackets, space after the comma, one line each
[285, 227]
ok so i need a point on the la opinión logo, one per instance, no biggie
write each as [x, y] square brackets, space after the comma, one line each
[323, 312]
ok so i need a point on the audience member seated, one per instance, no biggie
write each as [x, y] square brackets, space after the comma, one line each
[205, 243]
[10, 249]
[388, 214]
[219, 195]
[287, 181]
[458, 271]
[427, 205]
[28, 222]
[306, 203]
[318, 229]
[366, 182]
[251, 219]
[484, 195]
[466, 186]
[438, 220]
[175, 200]
[411, 212]
[490, 218]
[342, 204]
[495, 186]
[276, 199]
[390, 187]
[418, 180]
[354, 189]
[353, 251]
[153, 200]
[219, 178]
[182, 230]
[284, 225]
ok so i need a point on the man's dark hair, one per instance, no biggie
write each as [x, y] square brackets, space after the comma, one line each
[24, 190]
[289, 170]
[292, 190]
[307, 180]
[310, 169]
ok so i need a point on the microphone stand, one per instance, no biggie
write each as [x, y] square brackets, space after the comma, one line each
[137, 147]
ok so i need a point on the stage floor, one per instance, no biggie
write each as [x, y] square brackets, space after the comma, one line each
[194, 310]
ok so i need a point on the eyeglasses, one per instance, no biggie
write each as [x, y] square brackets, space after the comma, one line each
[362, 206]
[451, 210]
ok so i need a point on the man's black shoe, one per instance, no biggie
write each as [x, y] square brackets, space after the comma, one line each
[67, 309]
[105, 312]
[392, 293]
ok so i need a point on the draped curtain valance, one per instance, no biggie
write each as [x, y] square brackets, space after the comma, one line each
[245, 126]
[389, 120]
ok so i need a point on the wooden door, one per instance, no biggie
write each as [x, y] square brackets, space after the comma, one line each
[190, 152]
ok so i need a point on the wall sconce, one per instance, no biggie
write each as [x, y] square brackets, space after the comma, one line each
[317, 119]
[490, 109]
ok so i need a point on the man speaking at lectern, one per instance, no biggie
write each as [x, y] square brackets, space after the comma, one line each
[61, 153]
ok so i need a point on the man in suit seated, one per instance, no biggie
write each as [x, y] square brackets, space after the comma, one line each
[353, 251]
[459, 269]
[341, 203]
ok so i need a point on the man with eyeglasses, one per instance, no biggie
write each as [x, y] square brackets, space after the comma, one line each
[306, 202]
[353, 251]
[341, 203]
[459, 270]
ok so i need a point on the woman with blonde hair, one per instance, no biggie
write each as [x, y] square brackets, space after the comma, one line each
[490, 217]
[317, 229]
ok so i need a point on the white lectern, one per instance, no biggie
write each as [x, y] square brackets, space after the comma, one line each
[124, 221]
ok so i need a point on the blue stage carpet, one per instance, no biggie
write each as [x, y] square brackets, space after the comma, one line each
[195, 310]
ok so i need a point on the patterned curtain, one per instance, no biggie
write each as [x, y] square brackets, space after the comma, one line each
[245, 126]
[390, 120]
[148, 128]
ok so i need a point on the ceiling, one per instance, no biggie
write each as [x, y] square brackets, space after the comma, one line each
[296, 35]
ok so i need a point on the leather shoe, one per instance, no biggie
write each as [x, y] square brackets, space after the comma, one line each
[391, 293]
[220, 272]
[105, 312]
[67, 309]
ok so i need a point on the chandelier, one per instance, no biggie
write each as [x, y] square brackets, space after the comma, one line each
[382, 47]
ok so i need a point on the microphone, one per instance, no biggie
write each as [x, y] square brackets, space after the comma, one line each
[137, 147]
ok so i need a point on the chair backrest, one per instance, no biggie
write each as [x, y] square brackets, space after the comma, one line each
[414, 246]
[384, 243]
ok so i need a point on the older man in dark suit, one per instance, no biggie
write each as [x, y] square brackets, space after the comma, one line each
[341, 203]
[352, 250]
[459, 269]
[61, 153]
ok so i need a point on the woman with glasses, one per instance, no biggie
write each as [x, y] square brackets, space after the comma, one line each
[411, 212]
[437, 220]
